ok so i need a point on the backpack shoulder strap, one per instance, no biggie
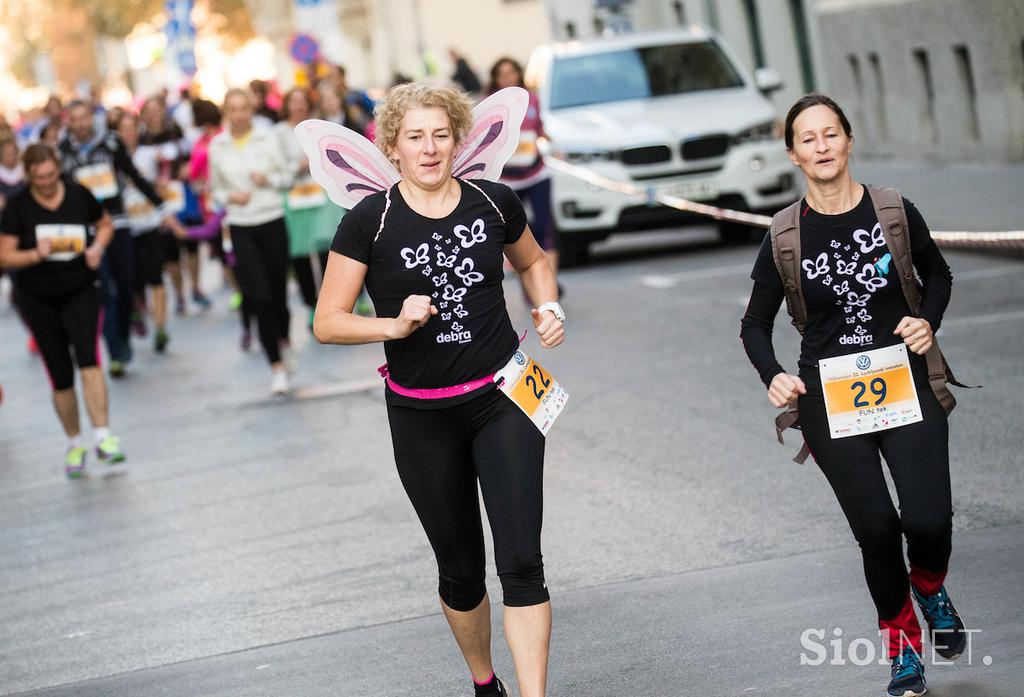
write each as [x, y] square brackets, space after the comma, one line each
[888, 204]
[785, 240]
[784, 235]
[892, 216]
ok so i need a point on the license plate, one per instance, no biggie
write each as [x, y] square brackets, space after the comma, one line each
[693, 190]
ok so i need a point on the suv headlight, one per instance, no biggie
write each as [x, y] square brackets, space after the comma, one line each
[769, 130]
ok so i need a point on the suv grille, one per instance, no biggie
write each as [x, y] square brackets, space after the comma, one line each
[646, 156]
[705, 147]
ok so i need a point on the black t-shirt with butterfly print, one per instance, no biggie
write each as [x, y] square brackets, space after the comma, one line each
[851, 288]
[458, 261]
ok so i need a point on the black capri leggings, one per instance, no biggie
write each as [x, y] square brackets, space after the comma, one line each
[261, 252]
[61, 321]
[918, 459]
[441, 454]
[149, 259]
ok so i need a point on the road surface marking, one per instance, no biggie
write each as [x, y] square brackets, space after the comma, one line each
[663, 281]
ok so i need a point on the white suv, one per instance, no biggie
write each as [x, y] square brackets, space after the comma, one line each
[672, 110]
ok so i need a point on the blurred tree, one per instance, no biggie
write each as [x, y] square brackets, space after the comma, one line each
[67, 30]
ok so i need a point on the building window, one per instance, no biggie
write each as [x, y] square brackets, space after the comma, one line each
[876, 73]
[570, 30]
[967, 88]
[925, 76]
[858, 79]
[680, 11]
[803, 43]
[754, 29]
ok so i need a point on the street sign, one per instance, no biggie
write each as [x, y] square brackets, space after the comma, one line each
[304, 48]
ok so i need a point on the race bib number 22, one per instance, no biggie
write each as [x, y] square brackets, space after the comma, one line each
[533, 390]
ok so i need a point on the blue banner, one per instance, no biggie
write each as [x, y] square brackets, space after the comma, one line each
[181, 34]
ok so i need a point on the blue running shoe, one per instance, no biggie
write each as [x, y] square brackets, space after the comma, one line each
[907, 675]
[944, 623]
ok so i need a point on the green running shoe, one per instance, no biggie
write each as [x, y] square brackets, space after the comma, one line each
[108, 450]
[74, 462]
[160, 340]
[116, 369]
[236, 301]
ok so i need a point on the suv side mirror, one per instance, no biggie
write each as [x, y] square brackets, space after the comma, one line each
[767, 80]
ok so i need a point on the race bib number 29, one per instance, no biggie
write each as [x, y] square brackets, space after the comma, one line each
[870, 391]
[533, 390]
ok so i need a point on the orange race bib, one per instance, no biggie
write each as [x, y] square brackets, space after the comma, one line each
[66, 241]
[533, 390]
[869, 391]
[173, 194]
[99, 179]
[307, 194]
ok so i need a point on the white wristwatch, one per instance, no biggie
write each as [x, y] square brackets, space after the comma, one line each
[555, 309]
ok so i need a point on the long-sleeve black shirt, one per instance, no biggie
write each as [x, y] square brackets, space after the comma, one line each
[107, 147]
[851, 288]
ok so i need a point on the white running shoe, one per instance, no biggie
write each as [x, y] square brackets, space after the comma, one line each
[289, 358]
[279, 383]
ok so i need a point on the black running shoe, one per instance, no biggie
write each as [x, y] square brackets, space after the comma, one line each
[907, 675]
[944, 623]
[495, 688]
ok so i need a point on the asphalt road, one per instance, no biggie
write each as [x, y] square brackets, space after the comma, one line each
[258, 546]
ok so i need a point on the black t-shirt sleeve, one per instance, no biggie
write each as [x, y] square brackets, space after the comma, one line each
[759, 320]
[93, 209]
[123, 163]
[354, 238]
[10, 220]
[511, 209]
[936, 278]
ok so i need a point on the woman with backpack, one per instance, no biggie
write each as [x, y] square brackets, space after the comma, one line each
[871, 381]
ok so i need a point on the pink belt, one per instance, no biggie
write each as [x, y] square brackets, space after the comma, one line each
[438, 392]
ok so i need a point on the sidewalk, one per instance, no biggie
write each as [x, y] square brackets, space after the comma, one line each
[726, 631]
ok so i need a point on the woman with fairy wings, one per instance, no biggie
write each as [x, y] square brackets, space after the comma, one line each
[428, 240]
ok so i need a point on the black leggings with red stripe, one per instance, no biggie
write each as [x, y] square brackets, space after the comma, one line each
[60, 322]
[441, 455]
[918, 459]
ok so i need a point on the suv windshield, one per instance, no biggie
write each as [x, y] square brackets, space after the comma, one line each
[639, 73]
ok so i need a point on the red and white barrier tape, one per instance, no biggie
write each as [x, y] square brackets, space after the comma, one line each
[1013, 239]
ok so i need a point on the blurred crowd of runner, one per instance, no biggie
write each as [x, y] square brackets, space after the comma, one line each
[176, 175]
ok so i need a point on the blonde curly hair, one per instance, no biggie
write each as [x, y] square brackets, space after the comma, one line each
[390, 111]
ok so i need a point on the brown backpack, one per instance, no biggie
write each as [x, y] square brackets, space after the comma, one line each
[785, 238]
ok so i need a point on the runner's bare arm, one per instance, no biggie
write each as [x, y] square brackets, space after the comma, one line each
[104, 231]
[533, 266]
[13, 258]
[538, 278]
